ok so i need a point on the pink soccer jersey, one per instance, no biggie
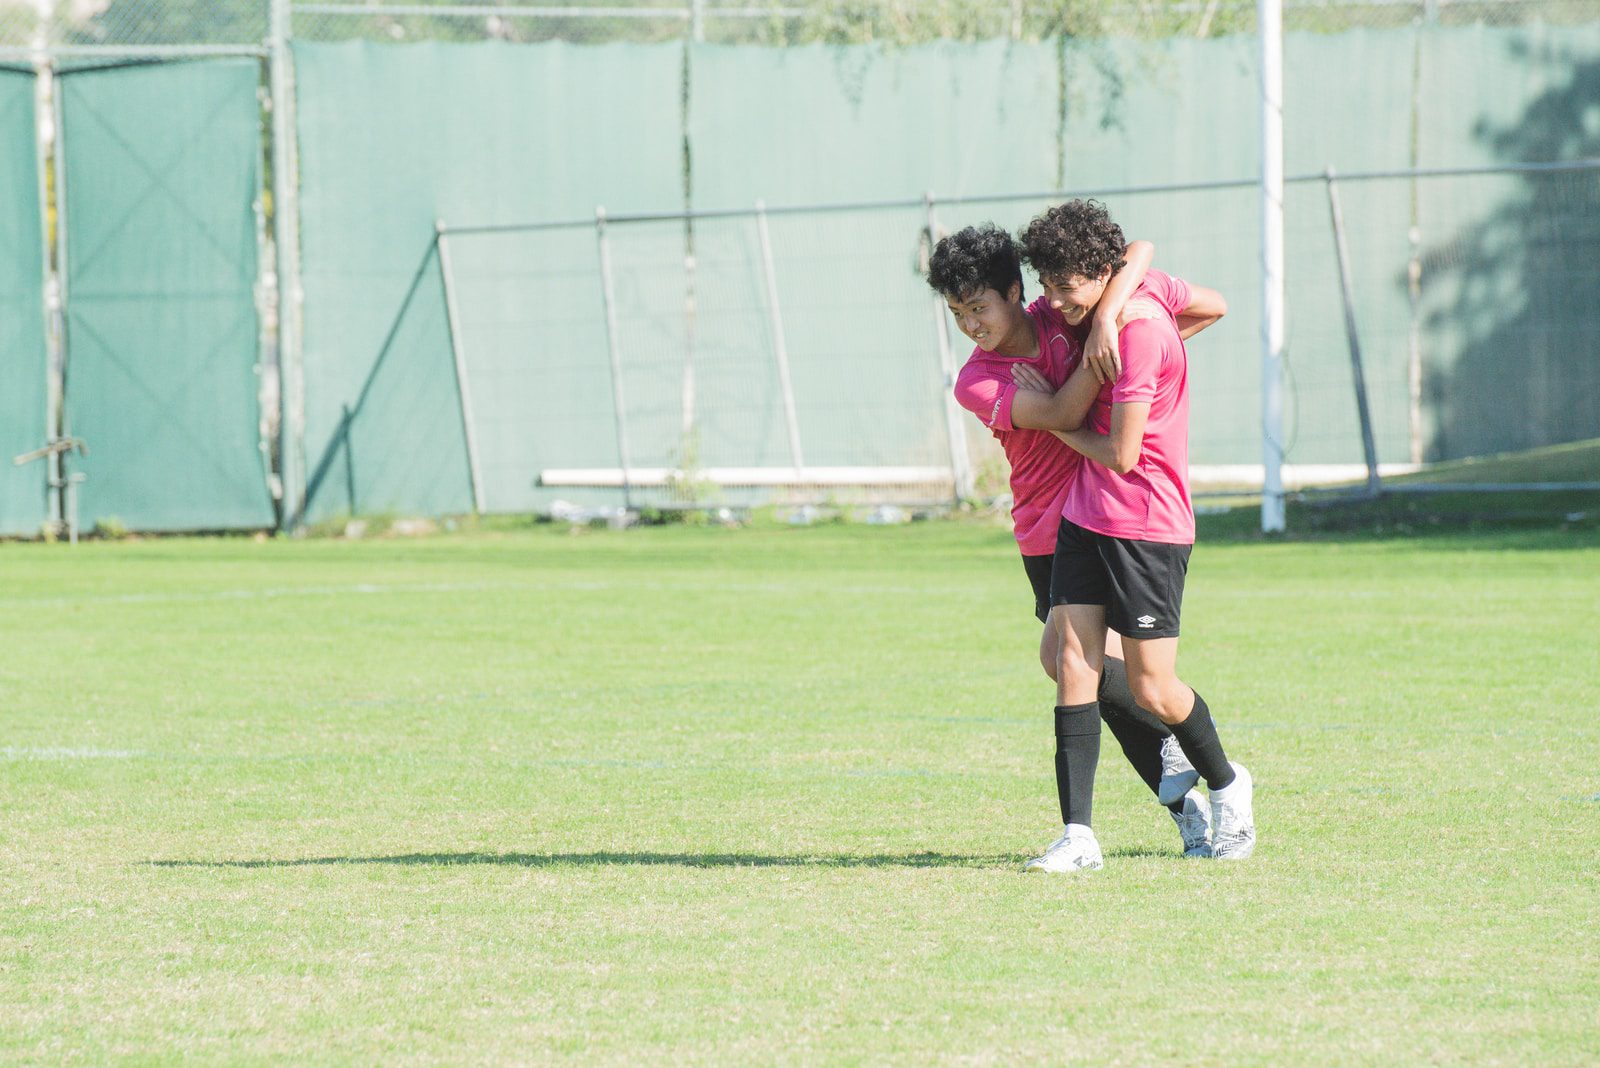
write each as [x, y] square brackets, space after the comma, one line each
[1150, 502]
[1042, 468]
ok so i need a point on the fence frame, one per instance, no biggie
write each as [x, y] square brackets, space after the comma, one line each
[280, 279]
[627, 476]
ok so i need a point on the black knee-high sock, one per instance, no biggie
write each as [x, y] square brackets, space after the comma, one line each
[1077, 752]
[1137, 730]
[1198, 736]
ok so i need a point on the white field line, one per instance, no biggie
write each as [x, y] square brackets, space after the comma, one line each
[56, 752]
[271, 592]
[368, 588]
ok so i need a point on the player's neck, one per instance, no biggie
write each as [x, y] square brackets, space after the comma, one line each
[1021, 341]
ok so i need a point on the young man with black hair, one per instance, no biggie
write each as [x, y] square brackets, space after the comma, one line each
[979, 274]
[1126, 532]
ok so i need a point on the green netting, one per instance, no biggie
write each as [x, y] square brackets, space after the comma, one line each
[534, 337]
[162, 329]
[368, 468]
[966, 120]
[393, 138]
[1510, 263]
[830, 123]
[22, 355]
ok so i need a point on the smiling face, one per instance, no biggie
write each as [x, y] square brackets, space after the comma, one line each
[994, 321]
[1074, 296]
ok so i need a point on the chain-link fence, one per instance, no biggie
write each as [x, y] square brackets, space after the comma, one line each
[708, 354]
[79, 27]
[164, 24]
[799, 358]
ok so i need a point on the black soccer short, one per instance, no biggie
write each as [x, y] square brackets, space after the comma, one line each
[1038, 569]
[1139, 582]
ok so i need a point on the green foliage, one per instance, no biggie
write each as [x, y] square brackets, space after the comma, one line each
[142, 22]
[110, 528]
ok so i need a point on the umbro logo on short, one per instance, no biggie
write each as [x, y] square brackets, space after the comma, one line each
[1146, 622]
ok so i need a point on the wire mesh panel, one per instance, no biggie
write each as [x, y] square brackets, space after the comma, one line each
[862, 340]
[800, 22]
[532, 333]
[161, 264]
[400, 443]
[77, 26]
[22, 352]
[393, 139]
[866, 122]
[1510, 357]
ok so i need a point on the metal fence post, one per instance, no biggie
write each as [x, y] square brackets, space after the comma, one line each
[457, 352]
[1270, 16]
[780, 348]
[286, 239]
[1347, 290]
[954, 423]
[65, 503]
[608, 295]
[46, 137]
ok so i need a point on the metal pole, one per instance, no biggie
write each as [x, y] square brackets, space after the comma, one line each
[1368, 447]
[1270, 15]
[779, 348]
[65, 503]
[1414, 265]
[346, 420]
[45, 132]
[286, 239]
[955, 426]
[463, 390]
[608, 294]
[1414, 346]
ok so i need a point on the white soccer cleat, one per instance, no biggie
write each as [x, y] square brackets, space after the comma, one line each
[1075, 850]
[1194, 824]
[1233, 817]
[1178, 776]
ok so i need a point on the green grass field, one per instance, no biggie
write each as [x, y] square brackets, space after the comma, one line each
[763, 795]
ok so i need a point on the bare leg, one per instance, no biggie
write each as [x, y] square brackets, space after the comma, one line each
[1083, 649]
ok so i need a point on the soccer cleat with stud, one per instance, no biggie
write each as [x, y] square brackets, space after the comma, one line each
[1233, 818]
[1194, 825]
[1178, 776]
[1075, 850]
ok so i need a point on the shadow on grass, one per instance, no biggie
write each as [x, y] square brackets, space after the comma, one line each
[608, 859]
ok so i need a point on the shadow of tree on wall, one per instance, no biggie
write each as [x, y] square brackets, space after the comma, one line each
[1522, 287]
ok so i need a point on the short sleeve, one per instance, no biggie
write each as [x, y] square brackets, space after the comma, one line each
[1144, 344]
[987, 396]
[1173, 293]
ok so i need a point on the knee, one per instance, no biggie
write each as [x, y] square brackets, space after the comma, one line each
[1152, 693]
[1074, 666]
[1048, 659]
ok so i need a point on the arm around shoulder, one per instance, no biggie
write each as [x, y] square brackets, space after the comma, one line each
[1205, 307]
[1065, 409]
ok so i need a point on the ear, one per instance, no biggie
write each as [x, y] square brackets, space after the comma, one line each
[1014, 292]
[1105, 276]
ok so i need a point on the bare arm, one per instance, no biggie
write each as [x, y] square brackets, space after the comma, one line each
[1205, 307]
[1037, 408]
[1120, 449]
[1100, 350]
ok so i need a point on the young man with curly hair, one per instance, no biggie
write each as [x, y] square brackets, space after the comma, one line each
[979, 274]
[1127, 529]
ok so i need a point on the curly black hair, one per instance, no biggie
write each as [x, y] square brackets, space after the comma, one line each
[1075, 238]
[974, 259]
